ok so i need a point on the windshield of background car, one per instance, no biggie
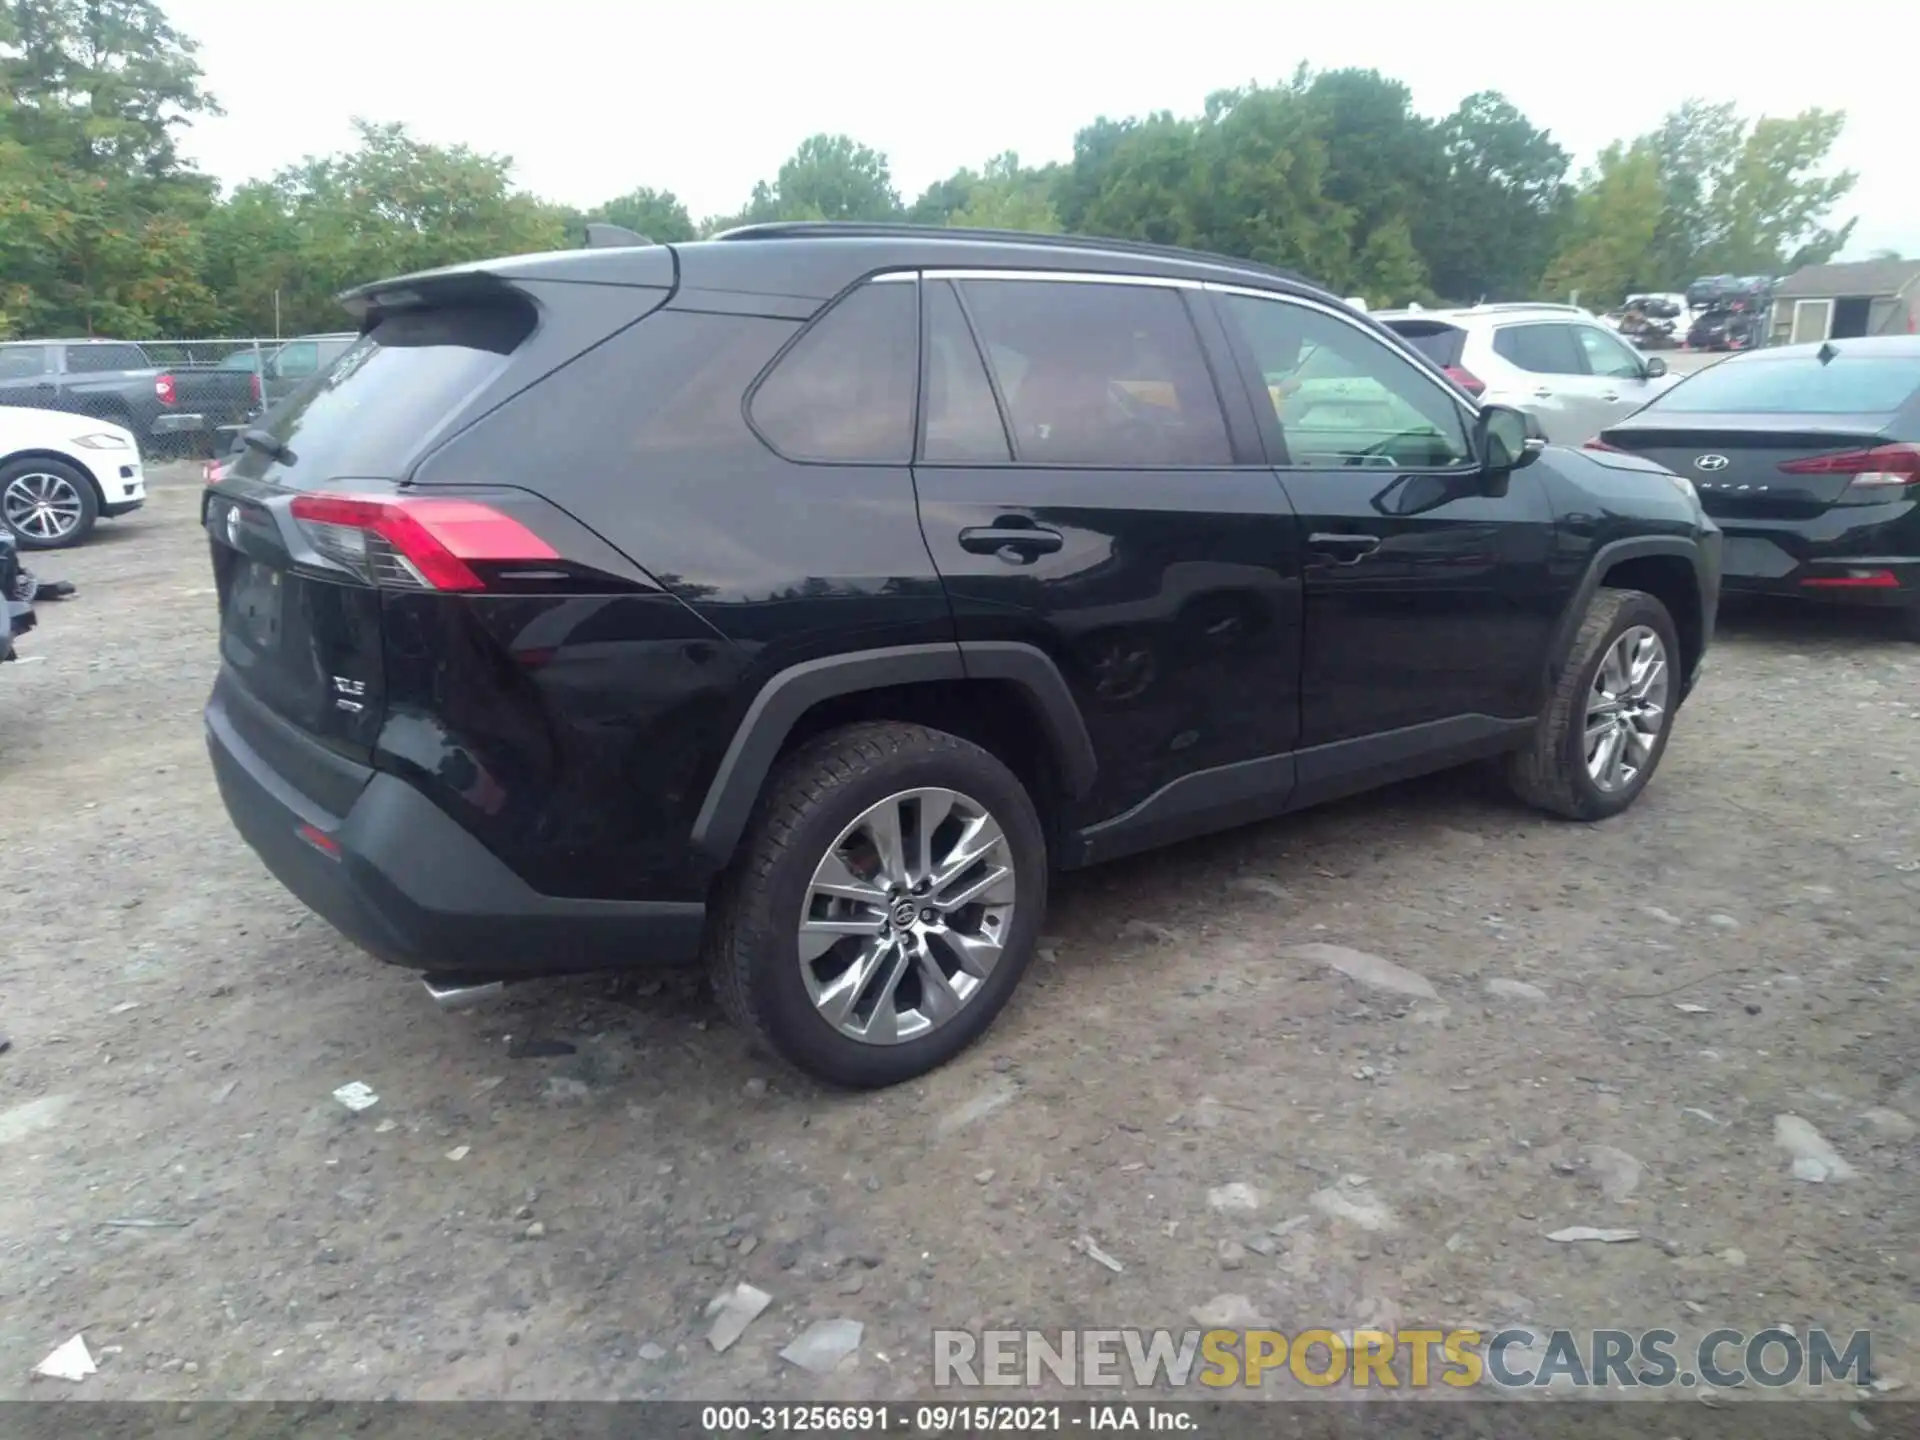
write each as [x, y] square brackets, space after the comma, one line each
[1798, 385]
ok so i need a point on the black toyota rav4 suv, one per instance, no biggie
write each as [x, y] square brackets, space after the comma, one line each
[800, 599]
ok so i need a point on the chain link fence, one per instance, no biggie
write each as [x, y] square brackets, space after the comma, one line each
[177, 396]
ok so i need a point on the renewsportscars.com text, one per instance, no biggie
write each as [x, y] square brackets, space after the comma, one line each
[1417, 1359]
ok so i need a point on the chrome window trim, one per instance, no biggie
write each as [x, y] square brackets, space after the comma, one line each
[1070, 277]
[1467, 408]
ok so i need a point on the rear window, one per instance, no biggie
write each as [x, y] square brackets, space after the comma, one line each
[369, 413]
[99, 359]
[1797, 385]
[1440, 343]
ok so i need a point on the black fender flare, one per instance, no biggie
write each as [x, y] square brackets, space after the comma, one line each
[788, 695]
[1604, 559]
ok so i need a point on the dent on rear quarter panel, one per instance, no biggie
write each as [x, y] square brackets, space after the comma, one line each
[567, 732]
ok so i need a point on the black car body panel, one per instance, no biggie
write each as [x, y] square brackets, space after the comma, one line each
[763, 507]
[17, 587]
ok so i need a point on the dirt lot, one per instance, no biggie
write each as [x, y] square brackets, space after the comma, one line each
[1738, 948]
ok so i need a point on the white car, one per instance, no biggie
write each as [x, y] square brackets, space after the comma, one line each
[59, 473]
[1557, 362]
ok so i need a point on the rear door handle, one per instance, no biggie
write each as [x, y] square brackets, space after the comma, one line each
[1611, 395]
[1024, 541]
[1344, 548]
[1543, 394]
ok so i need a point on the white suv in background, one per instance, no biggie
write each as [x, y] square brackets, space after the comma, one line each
[1556, 362]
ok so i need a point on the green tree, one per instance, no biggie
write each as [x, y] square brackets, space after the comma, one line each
[1384, 167]
[1004, 196]
[102, 215]
[1615, 220]
[1500, 207]
[1745, 199]
[829, 177]
[392, 205]
[656, 214]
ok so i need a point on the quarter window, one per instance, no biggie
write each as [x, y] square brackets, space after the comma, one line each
[1099, 374]
[844, 392]
[1541, 349]
[1342, 397]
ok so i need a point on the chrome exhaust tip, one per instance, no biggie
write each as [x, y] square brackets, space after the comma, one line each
[460, 992]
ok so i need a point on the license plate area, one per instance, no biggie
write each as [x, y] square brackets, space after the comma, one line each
[256, 606]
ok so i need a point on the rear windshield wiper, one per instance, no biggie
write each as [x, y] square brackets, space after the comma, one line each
[256, 439]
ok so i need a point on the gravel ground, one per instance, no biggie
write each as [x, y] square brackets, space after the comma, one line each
[512, 1224]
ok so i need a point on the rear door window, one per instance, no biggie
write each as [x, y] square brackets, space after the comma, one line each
[98, 359]
[843, 393]
[1099, 374]
[371, 412]
[1798, 385]
[1548, 349]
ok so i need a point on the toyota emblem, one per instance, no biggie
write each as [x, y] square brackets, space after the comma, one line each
[1710, 463]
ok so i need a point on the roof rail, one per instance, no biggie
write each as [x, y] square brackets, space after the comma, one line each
[869, 230]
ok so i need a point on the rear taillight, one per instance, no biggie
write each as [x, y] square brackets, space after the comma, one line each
[163, 387]
[214, 471]
[1596, 443]
[414, 542]
[253, 386]
[1467, 381]
[1883, 465]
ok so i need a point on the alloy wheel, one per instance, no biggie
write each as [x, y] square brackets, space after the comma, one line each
[1626, 708]
[42, 507]
[906, 916]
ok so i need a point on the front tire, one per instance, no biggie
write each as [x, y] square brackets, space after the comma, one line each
[887, 902]
[47, 504]
[1608, 719]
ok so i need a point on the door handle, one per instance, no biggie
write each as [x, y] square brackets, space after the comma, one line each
[1611, 395]
[1543, 394]
[1024, 541]
[1344, 549]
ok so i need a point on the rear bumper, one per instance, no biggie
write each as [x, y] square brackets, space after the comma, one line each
[1859, 559]
[400, 878]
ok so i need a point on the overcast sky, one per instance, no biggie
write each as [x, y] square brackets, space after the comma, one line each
[594, 97]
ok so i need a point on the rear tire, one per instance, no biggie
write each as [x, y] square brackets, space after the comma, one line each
[1556, 772]
[778, 984]
[47, 504]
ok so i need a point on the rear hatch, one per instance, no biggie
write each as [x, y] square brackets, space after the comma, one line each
[312, 529]
[1781, 436]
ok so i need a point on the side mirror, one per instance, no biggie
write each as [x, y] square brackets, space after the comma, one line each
[1507, 438]
[1656, 367]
